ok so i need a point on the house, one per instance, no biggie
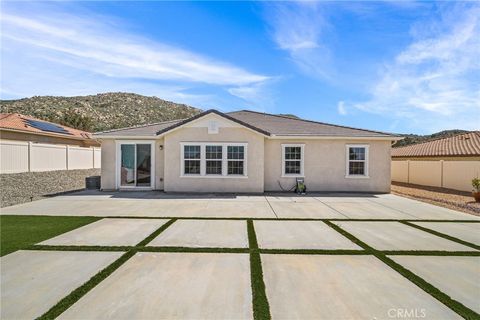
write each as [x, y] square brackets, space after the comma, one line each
[245, 151]
[447, 163]
[28, 144]
[18, 127]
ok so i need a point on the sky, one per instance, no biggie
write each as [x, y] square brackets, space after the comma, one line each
[401, 67]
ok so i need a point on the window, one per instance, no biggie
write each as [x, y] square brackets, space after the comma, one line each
[357, 161]
[236, 158]
[191, 156]
[214, 159]
[292, 160]
[213, 155]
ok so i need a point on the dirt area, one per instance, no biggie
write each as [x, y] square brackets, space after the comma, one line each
[28, 186]
[448, 198]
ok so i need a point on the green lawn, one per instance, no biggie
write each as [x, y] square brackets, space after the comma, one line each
[18, 232]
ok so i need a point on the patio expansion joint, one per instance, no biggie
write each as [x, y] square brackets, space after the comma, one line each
[454, 305]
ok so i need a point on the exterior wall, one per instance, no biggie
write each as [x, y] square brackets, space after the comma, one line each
[108, 164]
[159, 164]
[325, 166]
[22, 156]
[174, 182]
[451, 174]
[20, 136]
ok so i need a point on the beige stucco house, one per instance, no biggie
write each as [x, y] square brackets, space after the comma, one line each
[245, 151]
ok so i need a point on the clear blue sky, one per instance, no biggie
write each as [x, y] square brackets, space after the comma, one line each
[391, 66]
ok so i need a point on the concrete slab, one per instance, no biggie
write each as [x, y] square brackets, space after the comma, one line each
[368, 210]
[204, 233]
[397, 236]
[284, 198]
[109, 232]
[171, 286]
[34, 281]
[422, 210]
[467, 231]
[342, 287]
[299, 235]
[458, 277]
[313, 210]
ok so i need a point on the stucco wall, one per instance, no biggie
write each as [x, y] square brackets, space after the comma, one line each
[325, 166]
[255, 153]
[108, 165]
[21, 136]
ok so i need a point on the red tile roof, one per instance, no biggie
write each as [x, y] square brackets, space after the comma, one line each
[467, 144]
[19, 122]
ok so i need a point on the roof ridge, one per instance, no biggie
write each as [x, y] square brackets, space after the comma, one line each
[312, 121]
[437, 139]
[139, 126]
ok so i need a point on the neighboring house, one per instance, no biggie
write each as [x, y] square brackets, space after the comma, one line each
[30, 144]
[448, 163]
[245, 151]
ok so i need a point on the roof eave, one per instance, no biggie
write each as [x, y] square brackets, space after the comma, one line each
[333, 137]
[64, 136]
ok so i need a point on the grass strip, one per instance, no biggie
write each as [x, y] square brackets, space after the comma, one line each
[193, 249]
[155, 233]
[79, 248]
[456, 306]
[442, 235]
[78, 293]
[261, 309]
[431, 253]
[313, 251]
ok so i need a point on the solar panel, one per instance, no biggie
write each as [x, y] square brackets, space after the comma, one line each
[45, 126]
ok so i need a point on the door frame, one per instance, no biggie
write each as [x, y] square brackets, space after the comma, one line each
[118, 164]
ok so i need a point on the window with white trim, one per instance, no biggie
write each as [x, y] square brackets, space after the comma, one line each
[236, 160]
[357, 161]
[292, 160]
[191, 159]
[214, 159]
[213, 156]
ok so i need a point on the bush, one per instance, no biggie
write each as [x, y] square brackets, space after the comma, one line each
[476, 184]
[74, 119]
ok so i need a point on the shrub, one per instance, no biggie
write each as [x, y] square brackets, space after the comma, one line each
[476, 184]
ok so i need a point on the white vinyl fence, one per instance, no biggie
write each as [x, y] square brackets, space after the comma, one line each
[449, 174]
[19, 156]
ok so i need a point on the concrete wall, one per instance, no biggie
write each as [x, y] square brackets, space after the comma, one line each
[23, 156]
[174, 182]
[325, 166]
[451, 174]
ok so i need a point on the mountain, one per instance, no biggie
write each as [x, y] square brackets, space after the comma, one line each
[101, 111]
[415, 138]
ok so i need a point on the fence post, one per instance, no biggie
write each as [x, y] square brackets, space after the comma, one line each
[93, 156]
[408, 171]
[29, 156]
[441, 173]
[67, 150]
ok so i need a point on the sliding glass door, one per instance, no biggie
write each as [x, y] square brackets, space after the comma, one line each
[136, 165]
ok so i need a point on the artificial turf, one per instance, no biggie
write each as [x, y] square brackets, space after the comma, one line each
[19, 232]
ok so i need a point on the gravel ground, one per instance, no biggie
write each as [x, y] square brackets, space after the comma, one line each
[452, 199]
[28, 186]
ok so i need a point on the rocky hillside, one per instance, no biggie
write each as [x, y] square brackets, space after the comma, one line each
[415, 138]
[99, 112]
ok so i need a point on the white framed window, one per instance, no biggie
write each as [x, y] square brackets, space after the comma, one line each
[135, 164]
[213, 160]
[356, 161]
[236, 160]
[293, 156]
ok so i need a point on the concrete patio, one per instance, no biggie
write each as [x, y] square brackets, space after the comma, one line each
[203, 256]
[312, 206]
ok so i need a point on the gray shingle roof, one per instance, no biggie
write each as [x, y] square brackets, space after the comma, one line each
[283, 125]
[264, 123]
[143, 130]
